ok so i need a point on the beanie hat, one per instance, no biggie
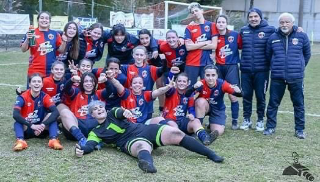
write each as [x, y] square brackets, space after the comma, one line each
[255, 10]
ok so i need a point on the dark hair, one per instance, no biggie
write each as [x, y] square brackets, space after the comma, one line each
[112, 60]
[85, 59]
[42, 12]
[56, 63]
[211, 66]
[34, 75]
[222, 16]
[172, 31]
[91, 75]
[144, 31]
[96, 25]
[74, 52]
[118, 28]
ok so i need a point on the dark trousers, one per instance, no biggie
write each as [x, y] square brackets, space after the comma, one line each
[257, 82]
[194, 72]
[277, 89]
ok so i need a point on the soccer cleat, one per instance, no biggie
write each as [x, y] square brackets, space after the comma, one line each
[269, 131]
[146, 166]
[246, 124]
[210, 137]
[259, 125]
[20, 145]
[300, 134]
[82, 142]
[55, 144]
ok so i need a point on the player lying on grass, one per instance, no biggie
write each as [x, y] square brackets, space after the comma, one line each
[177, 104]
[30, 112]
[135, 139]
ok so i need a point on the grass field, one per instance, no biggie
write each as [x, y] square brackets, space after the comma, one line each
[249, 156]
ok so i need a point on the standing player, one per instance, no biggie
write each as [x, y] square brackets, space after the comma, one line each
[137, 140]
[210, 101]
[200, 40]
[227, 59]
[30, 117]
[47, 42]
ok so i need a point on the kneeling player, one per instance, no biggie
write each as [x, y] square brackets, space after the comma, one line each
[210, 101]
[29, 115]
[135, 139]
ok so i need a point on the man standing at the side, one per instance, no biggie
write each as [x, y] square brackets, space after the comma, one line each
[289, 52]
[254, 66]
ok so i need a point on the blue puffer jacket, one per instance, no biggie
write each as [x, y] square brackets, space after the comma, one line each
[254, 43]
[288, 54]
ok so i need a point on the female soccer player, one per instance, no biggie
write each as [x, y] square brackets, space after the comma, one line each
[47, 42]
[137, 140]
[210, 101]
[31, 117]
[227, 59]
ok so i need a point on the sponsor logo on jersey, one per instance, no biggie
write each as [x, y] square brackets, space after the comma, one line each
[51, 36]
[295, 41]
[225, 51]
[45, 48]
[207, 28]
[33, 117]
[261, 35]
[231, 39]
[49, 89]
[275, 41]
[178, 111]
[83, 111]
[56, 98]
[202, 38]
[212, 101]
[246, 32]
[136, 112]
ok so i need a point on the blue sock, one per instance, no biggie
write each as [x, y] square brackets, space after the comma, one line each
[235, 110]
[18, 129]
[201, 133]
[76, 132]
[53, 130]
[145, 155]
[201, 120]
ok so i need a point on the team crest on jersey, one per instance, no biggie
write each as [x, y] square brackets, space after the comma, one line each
[185, 101]
[140, 102]
[61, 87]
[144, 74]
[216, 93]
[39, 103]
[123, 49]
[182, 52]
[168, 53]
[207, 28]
[231, 39]
[261, 35]
[295, 41]
[51, 36]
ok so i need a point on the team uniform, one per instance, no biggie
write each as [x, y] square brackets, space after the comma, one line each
[54, 88]
[214, 96]
[92, 49]
[174, 56]
[113, 100]
[33, 111]
[197, 59]
[122, 51]
[137, 104]
[153, 46]
[43, 54]
[148, 73]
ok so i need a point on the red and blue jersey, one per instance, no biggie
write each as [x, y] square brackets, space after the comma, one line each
[153, 46]
[215, 95]
[176, 105]
[54, 88]
[97, 71]
[200, 33]
[172, 55]
[227, 51]
[33, 109]
[43, 54]
[137, 104]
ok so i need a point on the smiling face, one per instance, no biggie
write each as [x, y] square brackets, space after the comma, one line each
[71, 30]
[36, 84]
[172, 39]
[137, 85]
[99, 113]
[210, 76]
[221, 23]
[88, 84]
[85, 66]
[286, 24]
[96, 33]
[254, 19]
[144, 39]
[139, 56]
[44, 21]
[182, 82]
[58, 71]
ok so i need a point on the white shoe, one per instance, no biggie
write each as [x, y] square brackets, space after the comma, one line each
[246, 124]
[259, 125]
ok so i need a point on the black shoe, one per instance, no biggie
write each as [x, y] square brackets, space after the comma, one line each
[210, 137]
[146, 166]
[216, 158]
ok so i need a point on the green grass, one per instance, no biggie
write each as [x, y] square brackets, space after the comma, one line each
[250, 156]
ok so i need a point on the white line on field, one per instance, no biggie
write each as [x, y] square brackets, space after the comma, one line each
[10, 64]
[9, 85]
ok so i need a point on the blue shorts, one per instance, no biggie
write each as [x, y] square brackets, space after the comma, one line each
[85, 125]
[183, 125]
[194, 72]
[217, 117]
[229, 73]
